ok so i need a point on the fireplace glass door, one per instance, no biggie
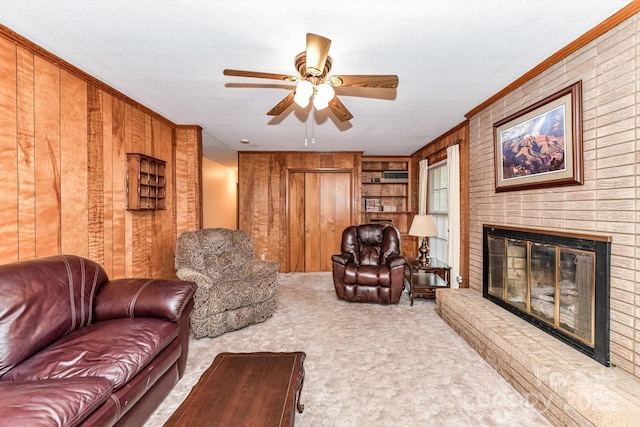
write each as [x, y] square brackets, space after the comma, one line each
[552, 283]
[543, 282]
[497, 260]
[556, 281]
[517, 277]
[576, 289]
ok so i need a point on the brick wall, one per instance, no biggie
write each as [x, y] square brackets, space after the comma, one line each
[606, 203]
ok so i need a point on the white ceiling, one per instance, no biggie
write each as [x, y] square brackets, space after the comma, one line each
[450, 56]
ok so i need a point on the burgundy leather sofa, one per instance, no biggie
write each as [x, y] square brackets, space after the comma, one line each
[79, 349]
[370, 267]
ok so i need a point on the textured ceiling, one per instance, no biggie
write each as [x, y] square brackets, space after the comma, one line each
[450, 56]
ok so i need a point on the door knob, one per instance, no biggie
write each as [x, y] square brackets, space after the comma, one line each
[306, 230]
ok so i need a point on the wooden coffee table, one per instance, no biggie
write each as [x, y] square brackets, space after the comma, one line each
[245, 389]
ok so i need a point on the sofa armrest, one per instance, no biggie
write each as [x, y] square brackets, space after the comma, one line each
[161, 298]
[198, 278]
[342, 259]
[261, 268]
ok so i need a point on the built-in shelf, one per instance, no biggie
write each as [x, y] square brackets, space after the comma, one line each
[386, 195]
[146, 182]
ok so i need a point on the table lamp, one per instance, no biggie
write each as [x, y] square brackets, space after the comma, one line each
[423, 226]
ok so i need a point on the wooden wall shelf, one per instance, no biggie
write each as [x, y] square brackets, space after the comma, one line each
[146, 182]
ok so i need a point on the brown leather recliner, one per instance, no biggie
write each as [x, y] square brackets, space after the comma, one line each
[370, 267]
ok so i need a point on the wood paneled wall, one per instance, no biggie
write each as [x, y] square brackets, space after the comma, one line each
[188, 178]
[436, 151]
[63, 143]
[262, 193]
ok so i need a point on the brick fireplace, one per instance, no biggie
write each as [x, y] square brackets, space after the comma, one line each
[558, 282]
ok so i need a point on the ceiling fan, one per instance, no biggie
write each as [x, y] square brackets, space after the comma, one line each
[313, 67]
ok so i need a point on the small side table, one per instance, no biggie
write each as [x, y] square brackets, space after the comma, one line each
[425, 279]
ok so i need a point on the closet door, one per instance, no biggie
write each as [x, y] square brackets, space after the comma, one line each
[295, 217]
[313, 201]
[319, 209]
[335, 215]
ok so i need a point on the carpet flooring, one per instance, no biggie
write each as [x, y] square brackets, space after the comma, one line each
[368, 365]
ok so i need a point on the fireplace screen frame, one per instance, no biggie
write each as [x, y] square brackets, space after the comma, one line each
[597, 345]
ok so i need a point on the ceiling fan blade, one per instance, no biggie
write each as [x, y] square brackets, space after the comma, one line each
[338, 108]
[317, 52]
[259, 75]
[381, 81]
[282, 105]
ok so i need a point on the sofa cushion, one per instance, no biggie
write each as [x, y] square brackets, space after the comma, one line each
[54, 402]
[60, 289]
[114, 349]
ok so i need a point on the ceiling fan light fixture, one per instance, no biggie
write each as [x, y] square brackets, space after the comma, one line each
[316, 54]
[313, 71]
[301, 100]
[335, 81]
[320, 105]
[313, 67]
[304, 90]
[323, 95]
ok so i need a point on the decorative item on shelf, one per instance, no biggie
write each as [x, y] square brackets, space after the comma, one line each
[423, 226]
[372, 205]
[395, 176]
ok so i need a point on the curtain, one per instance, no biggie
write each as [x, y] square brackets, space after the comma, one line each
[423, 189]
[453, 176]
[422, 186]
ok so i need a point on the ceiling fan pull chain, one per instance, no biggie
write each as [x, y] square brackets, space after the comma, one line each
[313, 127]
[306, 126]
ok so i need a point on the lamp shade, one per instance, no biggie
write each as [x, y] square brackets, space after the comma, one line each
[423, 226]
[304, 90]
[323, 95]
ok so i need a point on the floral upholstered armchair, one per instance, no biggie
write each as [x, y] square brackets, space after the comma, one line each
[234, 288]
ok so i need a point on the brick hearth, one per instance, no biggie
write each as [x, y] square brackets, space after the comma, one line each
[566, 386]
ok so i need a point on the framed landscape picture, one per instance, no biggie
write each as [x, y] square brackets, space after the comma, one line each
[541, 146]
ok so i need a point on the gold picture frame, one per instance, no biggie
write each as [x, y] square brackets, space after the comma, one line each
[541, 145]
